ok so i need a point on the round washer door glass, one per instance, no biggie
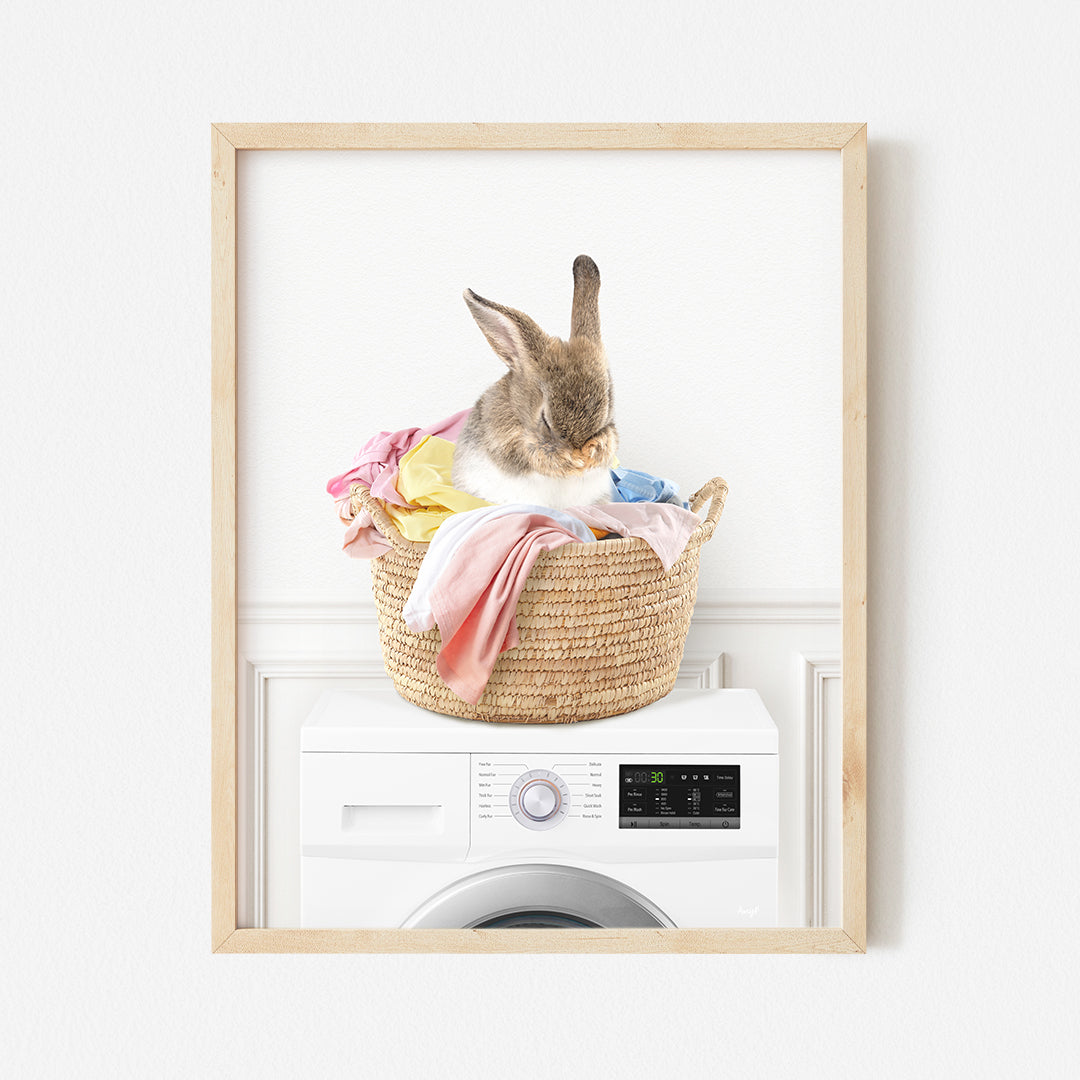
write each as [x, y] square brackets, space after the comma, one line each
[537, 895]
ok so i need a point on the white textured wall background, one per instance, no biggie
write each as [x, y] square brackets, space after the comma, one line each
[104, 431]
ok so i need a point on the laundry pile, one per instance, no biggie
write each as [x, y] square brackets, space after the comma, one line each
[410, 476]
[480, 554]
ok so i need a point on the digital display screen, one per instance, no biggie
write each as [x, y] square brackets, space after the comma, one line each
[679, 796]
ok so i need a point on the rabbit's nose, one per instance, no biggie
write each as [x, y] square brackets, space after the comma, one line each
[587, 455]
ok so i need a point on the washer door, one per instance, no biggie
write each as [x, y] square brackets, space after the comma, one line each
[537, 895]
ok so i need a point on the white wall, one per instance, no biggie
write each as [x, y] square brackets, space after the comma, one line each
[973, 576]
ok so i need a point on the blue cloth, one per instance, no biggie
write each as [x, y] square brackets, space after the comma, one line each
[632, 486]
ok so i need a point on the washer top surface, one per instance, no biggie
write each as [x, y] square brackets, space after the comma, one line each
[686, 721]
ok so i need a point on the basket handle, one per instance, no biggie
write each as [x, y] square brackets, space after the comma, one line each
[715, 489]
[363, 499]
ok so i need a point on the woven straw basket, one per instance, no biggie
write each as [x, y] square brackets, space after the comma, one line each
[601, 626]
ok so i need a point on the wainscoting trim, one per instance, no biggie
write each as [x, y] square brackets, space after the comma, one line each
[713, 606]
[816, 669]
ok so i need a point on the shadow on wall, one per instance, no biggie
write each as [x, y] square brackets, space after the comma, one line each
[895, 250]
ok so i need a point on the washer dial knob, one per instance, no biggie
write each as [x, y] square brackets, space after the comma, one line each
[539, 799]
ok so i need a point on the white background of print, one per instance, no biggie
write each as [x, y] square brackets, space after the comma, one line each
[720, 308]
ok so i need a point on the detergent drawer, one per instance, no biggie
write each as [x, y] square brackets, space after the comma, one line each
[385, 806]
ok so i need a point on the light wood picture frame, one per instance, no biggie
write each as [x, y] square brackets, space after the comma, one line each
[227, 140]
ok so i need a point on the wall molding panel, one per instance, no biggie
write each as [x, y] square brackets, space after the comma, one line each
[820, 674]
[713, 606]
[257, 677]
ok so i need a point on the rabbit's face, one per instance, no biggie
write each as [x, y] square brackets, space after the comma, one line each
[572, 419]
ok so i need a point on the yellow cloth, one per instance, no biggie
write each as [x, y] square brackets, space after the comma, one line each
[424, 479]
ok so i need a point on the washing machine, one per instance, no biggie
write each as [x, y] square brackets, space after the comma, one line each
[663, 817]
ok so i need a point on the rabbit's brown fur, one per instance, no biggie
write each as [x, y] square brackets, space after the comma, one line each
[545, 431]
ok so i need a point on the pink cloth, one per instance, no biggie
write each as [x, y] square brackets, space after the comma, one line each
[663, 526]
[475, 607]
[376, 466]
[363, 540]
[376, 462]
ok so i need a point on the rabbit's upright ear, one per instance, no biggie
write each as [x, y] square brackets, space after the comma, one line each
[585, 315]
[512, 334]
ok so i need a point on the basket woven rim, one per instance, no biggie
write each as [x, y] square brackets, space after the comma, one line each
[713, 491]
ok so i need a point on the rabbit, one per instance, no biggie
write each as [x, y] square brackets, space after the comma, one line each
[545, 432]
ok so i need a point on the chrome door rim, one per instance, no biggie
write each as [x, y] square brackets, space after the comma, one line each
[532, 890]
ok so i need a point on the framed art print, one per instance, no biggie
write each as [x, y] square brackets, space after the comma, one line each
[353, 809]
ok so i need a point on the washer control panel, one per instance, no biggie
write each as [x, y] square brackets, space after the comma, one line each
[632, 807]
[539, 799]
[536, 793]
